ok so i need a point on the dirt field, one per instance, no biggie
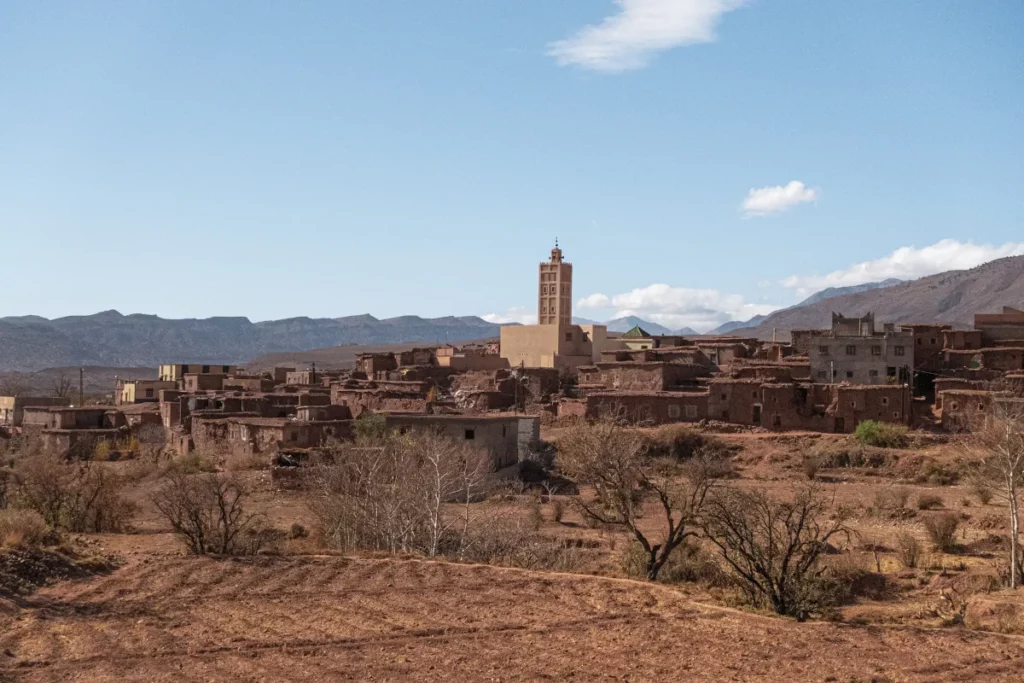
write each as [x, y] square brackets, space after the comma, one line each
[329, 618]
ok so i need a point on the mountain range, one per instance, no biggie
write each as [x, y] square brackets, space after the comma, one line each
[29, 343]
[111, 339]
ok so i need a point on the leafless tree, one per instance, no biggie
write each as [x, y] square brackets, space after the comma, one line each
[999, 447]
[79, 495]
[392, 496]
[62, 385]
[15, 385]
[614, 462]
[773, 546]
[207, 511]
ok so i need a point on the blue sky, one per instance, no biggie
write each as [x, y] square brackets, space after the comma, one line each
[699, 160]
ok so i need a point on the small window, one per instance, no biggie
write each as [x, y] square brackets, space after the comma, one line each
[822, 374]
[673, 411]
[898, 350]
[184, 369]
[755, 394]
[920, 341]
[851, 350]
[206, 369]
[876, 350]
[896, 415]
[823, 350]
[691, 411]
[954, 405]
[470, 434]
[890, 371]
[504, 431]
[885, 400]
[933, 341]
[873, 373]
[849, 374]
[568, 336]
[149, 393]
[227, 369]
[723, 397]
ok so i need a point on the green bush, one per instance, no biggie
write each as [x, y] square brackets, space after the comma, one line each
[881, 434]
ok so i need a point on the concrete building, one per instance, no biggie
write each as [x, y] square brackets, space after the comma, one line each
[855, 353]
[176, 371]
[554, 291]
[506, 438]
[130, 391]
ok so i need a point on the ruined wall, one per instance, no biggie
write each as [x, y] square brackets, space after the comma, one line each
[650, 408]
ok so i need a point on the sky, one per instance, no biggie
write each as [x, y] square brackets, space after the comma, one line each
[697, 160]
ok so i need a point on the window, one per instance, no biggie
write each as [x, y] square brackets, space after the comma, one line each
[876, 350]
[933, 341]
[470, 434]
[691, 411]
[723, 397]
[206, 369]
[920, 341]
[898, 350]
[823, 350]
[227, 368]
[184, 369]
[885, 400]
[873, 373]
[851, 350]
[755, 394]
[954, 405]
[673, 411]
[822, 374]
[849, 374]
[149, 393]
[890, 371]
[896, 415]
[568, 336]
[504, 431]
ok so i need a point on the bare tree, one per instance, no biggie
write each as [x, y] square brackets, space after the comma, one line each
[614, 462]
[1000, 450]
[15, 385]
[207, 511]
[393, 496]
[62, 385]
[773, 546]
[80, 495]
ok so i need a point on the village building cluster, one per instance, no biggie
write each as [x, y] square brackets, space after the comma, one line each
[497, 394]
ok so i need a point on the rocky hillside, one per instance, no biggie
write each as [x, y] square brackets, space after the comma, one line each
[952, 297]
[111, 339]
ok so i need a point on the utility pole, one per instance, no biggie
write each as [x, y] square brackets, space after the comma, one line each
[81, 386]
[313, 380]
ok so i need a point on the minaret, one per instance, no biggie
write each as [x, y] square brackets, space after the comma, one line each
[555, 290]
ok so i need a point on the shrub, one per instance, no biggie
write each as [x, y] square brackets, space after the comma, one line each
[25, 528]
[928, 501]
[298, 531]
[941, 529]
[683, 443]
[689, 564]
[194, 463]
[881, 434]
[558, 510]
[892, 498]
[811, 466]
[982, 492]
[78, 496]
[908, 550]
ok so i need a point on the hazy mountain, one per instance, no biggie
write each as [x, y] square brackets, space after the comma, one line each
[112, 339]
[630, 321]
[952, 297]
[833, 292]
[726, 328]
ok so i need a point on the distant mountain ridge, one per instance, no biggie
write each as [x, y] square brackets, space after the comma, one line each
[952, 298]
[112, 339]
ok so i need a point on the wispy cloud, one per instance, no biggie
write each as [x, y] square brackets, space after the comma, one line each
[676, 307]
[628, 39]
[767, 200]
[907, 263]
[516, 314]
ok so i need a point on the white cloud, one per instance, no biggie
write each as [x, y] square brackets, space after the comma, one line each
[765, 200]
[677, 307]
[642, 27]
[907, 263]
[516, 314]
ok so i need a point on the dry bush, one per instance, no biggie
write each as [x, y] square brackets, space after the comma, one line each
[928, 501]
[208, 512]
[683, 443]
[811, 466]
[689, 564]
[941, 529]
[557, 510]
[78, 496]
[194, 463]
[505, 540]
[892, 498]
[839, 456]
[909, 550]
[247, 462]
[774, 547]
[615, 462]
[882, 434]
[297, 531]
[982, 491]
[22, 528]
[392, 496]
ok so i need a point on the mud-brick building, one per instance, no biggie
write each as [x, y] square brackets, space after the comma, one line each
[506, 438]
[644, 408]
[971, 409]
[853, 351]
[12, 408]
[640, 376]
[735, 400]
[259, 435]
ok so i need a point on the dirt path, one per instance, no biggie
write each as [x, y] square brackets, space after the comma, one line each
[185, 619]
